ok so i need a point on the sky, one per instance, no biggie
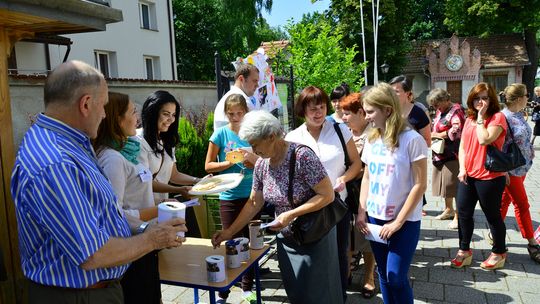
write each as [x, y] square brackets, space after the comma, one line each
[283, 10]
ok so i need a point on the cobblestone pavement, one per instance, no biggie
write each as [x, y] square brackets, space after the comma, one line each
[432, 278]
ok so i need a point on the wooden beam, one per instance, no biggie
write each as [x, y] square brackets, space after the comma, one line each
[12, 288]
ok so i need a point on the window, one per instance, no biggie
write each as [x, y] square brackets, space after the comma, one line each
[498, 80]
[105, 62]
[147, 12]
[152, 67]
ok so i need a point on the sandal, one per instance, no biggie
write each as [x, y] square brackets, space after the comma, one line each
[368, 293]
[355, 262]
[534, 252]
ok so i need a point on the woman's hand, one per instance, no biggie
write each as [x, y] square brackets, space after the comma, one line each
[183, 191]
[249, 159]
[389, 229]
[462, 176]
[361, 223]
[483, 108]
[340, 184]
[507, 177]
[219, 237]
[283, 220]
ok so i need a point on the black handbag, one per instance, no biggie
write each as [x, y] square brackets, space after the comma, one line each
[353, 186]
[499, 161]
[313, 226]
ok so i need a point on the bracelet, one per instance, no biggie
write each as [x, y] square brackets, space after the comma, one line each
[480, 122]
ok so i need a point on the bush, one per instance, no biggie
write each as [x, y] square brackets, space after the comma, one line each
[195, 130]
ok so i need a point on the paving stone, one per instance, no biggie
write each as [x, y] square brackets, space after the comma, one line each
[490, 280]
[437, 252]
[428, 290]
[502, 297]
[529, 298]
[447, 275]
[468, 295]
[524, 284]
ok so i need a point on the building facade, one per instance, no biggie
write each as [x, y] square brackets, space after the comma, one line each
[457, 64]
[139, 47]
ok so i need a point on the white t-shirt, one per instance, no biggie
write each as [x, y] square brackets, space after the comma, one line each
[149, 159]
[390, 175]
[131, 183]
[328, 148]
[220, 119]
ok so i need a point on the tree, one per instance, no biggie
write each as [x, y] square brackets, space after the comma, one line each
[487, 17]
[393, 45]
[427, 17]
[318, 57]
[232, 28]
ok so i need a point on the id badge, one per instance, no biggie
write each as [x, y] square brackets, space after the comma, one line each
[145, 175]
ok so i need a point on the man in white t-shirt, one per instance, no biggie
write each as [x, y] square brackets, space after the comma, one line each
[246, 81]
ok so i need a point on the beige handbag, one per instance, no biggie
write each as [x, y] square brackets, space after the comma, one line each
[437, 145]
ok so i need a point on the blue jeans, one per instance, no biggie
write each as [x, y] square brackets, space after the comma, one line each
[394, 260]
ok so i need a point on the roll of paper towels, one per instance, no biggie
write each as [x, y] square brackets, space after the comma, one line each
[215, 268]
[171, 209]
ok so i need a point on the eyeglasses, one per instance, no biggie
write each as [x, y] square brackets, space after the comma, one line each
[484, 98]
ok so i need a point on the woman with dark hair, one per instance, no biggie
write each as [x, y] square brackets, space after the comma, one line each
[485, 125]
[321, 136]
[117, 155]
[158, 138]
[337, 94]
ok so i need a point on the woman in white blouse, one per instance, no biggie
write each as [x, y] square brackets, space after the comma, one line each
[320, 135]
[158, 138]
[131, 181]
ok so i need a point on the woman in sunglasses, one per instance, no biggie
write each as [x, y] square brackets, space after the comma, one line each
[485, 125]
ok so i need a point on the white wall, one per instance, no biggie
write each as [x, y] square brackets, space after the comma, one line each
[126, 38]
[30, 57]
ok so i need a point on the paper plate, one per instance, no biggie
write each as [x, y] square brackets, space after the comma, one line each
[224, 182]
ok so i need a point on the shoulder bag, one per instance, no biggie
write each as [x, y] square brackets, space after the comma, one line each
[353, 186]
[499, 161]
[313, 226]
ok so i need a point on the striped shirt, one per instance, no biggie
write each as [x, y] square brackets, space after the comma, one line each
[65, 206]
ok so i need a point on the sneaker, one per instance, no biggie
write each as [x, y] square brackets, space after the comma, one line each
[249, 297]
[453, 224]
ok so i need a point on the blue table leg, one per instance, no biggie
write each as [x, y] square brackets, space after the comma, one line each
[195, 295]
[258, 282]
[212, 296]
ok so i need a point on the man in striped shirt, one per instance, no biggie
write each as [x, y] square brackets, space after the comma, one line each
[75, 243]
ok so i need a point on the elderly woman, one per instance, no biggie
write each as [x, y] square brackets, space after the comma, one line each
[485, 125]
[310, 272]
[321, 136]
[516, 100]
[355, 118]
[447, 126]
[392, 201]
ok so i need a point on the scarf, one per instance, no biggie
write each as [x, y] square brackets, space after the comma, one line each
[130, 150]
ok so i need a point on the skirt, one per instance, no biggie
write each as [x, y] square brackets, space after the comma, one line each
[310, 273]
[445, 181]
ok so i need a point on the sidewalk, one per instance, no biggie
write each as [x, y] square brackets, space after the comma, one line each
[432, 278]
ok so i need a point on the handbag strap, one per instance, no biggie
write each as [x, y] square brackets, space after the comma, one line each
[161, 165]
[343, 145]
[292, 164]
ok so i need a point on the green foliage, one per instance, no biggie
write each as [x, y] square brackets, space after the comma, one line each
[194, 134]
[232, 28]
[427, 17]
[318, 57]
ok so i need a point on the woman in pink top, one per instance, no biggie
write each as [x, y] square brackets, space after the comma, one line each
[485, 125]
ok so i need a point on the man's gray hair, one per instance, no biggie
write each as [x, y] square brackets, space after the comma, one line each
[258, 125]
[70, 81]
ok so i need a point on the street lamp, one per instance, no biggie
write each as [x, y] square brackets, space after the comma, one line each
[384, 69]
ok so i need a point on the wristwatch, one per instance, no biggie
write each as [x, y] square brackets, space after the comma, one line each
[480, 121]
[142, 227]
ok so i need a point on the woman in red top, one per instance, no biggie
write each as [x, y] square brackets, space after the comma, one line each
[485, 125]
